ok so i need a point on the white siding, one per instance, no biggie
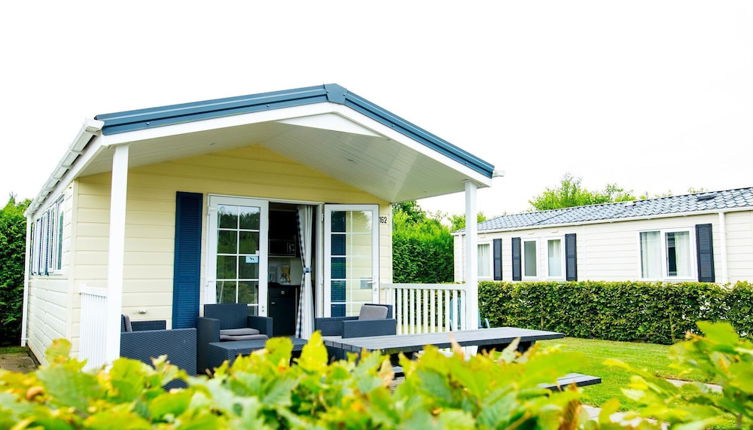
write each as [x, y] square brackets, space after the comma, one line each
[610, 251]
[50, 296]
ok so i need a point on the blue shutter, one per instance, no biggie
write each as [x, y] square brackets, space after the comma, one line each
[516, 269]
[187, 263]
[571, 258]
[497, 250]
[704, 243]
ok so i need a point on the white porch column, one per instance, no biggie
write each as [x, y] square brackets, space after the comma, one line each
[116, 252]
[27, 263]
[471, 257]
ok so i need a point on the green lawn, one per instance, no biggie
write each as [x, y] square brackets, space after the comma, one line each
[10, 349]
[640, 355]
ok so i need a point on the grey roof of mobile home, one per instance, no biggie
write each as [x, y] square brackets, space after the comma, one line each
[664, 206]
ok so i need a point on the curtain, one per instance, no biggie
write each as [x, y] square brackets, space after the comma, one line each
[305, 322]
[484, 257]
[554, 258]
[650, 255]
[681, 250]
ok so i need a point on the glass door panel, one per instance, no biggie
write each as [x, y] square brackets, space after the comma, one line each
[237, 257]
[352, 255]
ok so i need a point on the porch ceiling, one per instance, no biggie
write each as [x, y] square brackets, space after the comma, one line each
[355, 152]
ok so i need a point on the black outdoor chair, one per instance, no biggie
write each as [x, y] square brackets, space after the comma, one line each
[375, 319]
[144, 340]
[228, 322]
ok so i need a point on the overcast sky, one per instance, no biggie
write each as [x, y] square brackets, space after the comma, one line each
[652, 95]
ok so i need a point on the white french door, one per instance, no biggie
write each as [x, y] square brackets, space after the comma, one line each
[351, 258]
[237, 252]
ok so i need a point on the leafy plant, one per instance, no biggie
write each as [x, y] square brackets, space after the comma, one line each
[422, 246]
[263, 390]
[722, 356]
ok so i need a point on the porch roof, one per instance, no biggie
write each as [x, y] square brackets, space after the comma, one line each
[325, 127]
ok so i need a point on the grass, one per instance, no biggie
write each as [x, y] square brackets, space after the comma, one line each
[12, 349]
[648, 356]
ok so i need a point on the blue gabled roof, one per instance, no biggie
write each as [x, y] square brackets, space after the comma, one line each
[122, 122]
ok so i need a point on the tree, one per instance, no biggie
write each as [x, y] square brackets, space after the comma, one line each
[457, 222]
[421, 246]
[571, 192]
[12, 258]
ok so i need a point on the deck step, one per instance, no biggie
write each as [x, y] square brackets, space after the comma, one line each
[578, 379]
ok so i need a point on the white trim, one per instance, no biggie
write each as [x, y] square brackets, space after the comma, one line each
[490, 243]
[328, 209]
[471, 256]
[25, 305]
[319, 257]
[92, 291]
[663, 245]
[210, 290]
[116, 251]
[612, 220]
[723, 247]
[292, 113]
[523, 276]
[65, 170]
[563, 262]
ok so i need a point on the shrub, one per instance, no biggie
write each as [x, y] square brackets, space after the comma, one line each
[12, 254]
[625, 311]
[264, 390]
[422, 247]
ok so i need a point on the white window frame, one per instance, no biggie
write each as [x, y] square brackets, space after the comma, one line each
[663, 241]
[491, 259]
[327, 257]
[562, 258]
[47, 240]
[523, 275]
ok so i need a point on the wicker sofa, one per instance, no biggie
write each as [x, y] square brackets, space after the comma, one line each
[144, 340]
[221, 319]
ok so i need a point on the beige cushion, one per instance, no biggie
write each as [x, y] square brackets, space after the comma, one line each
[371, 312]
[227, 337]
[239, 331]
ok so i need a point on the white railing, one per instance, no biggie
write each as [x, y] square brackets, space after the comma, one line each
[427, 308]
[93, 326]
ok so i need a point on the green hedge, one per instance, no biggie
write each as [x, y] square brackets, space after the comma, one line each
[653, 312]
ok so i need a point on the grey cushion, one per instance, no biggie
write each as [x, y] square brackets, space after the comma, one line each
[239, 331]
[372, 312]
[227, 337]
[127, 327]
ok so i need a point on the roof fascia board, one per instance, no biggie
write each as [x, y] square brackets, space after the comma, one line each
[615, 220]
[80, 151]
[295, 112]
[217, 123]
[130, 121]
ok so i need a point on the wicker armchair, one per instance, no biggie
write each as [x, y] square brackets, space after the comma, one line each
[144, 340]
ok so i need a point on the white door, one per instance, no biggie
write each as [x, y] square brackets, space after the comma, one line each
[351, 258]
[237, 252]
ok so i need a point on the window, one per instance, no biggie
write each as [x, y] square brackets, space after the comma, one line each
[555, 258]
[484, 260]
[666, 254]
[529, 259]
[47, 241]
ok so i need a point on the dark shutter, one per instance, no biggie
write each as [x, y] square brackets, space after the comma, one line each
[497, 249]
[704, 243]
[571, 258]
[187, 263]
[516, 275]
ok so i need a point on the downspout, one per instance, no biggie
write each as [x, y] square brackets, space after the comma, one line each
[723, 246]
[25, 309]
